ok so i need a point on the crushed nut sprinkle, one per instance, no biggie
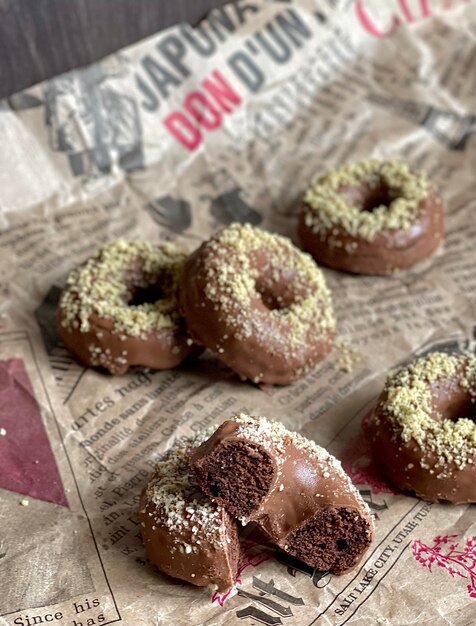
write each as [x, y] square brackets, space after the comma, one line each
[106, 284]
[236, 280]
[327, 206]
[410, 404]
[347, 357]
[175, 500]
[275, 437]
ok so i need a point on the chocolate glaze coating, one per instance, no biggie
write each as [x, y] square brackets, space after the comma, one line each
[249, 306]
[388, 251]
[119, 308]
[293, 489]
[161, 349]
[417, 469]
[185, 534]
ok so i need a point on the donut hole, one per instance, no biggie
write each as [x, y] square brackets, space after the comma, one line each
[457, 407]
[368, 198]
[275, 296]
[376, 198]
[145, 295]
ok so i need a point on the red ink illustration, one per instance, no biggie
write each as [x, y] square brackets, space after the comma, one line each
[385, 22]
[456, 561]
[255, 551]
[27, 463]
[250, 560]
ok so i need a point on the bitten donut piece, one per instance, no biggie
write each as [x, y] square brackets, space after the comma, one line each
[260, 303]
[120, 308]
[423, 431]
[372, 217]
[295, 490]
[185, 534]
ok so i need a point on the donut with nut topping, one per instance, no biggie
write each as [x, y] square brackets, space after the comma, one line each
[259, 303]
[120, 308]
[295, 490]
[185, 534]
[371, 217]
[423, 430]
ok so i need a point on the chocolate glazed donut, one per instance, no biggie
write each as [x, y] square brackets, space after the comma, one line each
[185, 534]
[371, 218]
[259, 303]
[295, 490]
[423, 432]
[120, 308]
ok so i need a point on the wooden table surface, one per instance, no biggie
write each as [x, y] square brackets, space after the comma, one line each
[43, 38]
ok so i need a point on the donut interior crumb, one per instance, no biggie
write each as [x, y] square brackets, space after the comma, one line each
[275, 437]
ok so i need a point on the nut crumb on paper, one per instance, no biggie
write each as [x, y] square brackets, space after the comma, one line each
[347, 357]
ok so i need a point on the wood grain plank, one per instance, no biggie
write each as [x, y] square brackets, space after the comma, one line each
[43, 38]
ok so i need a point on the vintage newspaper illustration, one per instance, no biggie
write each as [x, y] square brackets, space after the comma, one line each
[172, 139]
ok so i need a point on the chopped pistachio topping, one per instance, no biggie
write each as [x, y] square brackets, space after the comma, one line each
[178, 503]
[327, 204]
[246, 267]
[273, 435]
[347, 357]
[106, 284]
[410, 404]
